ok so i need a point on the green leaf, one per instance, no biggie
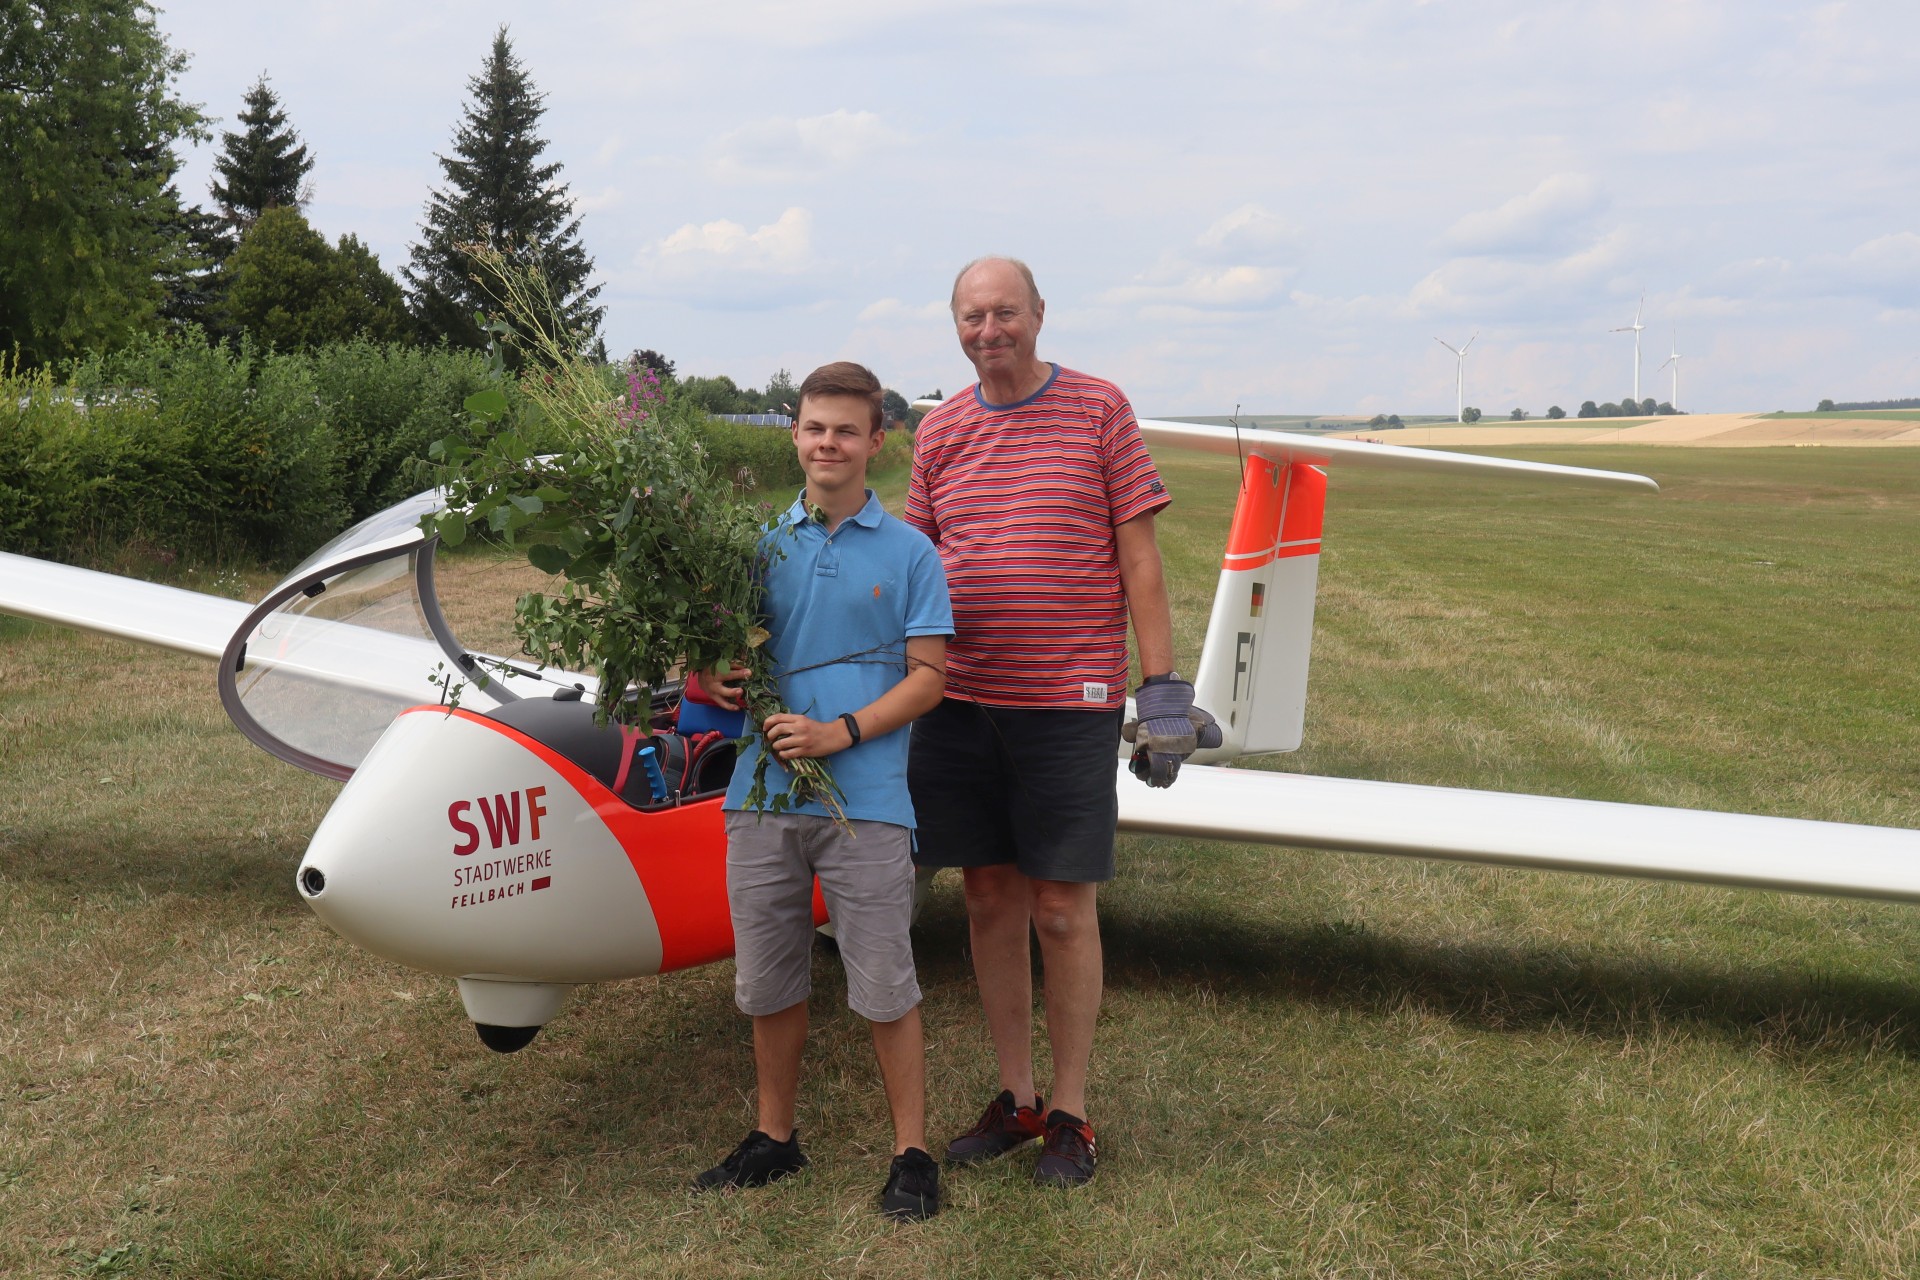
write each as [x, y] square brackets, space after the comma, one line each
[548, 558]
[453, 530]
[528, 502]
[489, 404]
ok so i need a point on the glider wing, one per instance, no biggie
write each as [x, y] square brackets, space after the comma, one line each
[172, 618]
[1540, 832]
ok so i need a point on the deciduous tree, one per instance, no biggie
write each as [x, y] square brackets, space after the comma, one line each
[89, 117]
[661, 366]
[498, 193]
[289, 289]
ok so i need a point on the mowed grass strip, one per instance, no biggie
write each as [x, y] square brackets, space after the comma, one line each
[1309, 1064]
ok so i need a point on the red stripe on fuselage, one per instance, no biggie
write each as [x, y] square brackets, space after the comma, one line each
[679, 854]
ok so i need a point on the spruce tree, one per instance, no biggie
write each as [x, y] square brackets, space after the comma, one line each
[497, 192]
[263, 167]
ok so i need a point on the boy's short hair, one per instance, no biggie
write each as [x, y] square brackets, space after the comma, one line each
[845, 378]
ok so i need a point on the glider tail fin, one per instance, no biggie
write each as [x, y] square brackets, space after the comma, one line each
[1253, 665]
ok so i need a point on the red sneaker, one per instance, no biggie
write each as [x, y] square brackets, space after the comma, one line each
[1002, 1128]
[1068, 1157]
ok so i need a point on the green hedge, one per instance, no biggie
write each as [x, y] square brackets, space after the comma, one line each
[766, 454]
[176, 448]
[213, 452]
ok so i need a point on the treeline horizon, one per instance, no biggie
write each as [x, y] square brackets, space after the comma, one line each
[103, 250]
[1849, 406]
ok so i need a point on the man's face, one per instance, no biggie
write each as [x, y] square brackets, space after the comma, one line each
[835, 437]
[997, 319]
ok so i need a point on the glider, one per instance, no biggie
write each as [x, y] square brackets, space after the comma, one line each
[509, 843]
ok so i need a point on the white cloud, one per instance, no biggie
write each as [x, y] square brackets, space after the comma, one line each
[783, 246]
[1541, 219]
[597, 202]
[1247, 234]
[1233, 265]
[1209, 289]
[1885, 269]
[785, 149]
[721, 264]
[1515, 288]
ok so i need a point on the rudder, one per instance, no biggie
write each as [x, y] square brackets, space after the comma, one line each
[1253, 665]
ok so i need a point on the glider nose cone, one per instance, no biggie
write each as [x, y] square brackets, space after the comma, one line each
[458, 848]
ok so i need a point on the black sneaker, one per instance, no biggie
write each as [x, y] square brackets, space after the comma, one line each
[912, 1192]
[757, 1161]
[1068, 1157]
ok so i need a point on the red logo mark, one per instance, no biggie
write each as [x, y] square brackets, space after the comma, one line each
[541, 882]
[502, 817]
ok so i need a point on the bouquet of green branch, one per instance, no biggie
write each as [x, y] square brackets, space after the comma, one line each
[604, 483]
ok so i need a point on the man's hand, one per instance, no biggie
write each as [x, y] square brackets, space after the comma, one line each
[726, 688]
[791, 736]
[1170, 729]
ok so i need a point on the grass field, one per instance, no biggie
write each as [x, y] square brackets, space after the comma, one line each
[1900, 415]
[1309, 1065]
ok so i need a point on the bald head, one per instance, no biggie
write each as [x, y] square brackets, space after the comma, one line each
[995, 265]
[997, 314]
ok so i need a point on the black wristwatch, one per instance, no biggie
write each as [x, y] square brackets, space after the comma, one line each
[853, 727]
[1147, 680]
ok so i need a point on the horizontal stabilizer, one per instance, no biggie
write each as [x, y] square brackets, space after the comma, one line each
[1291, 447]
[1540, 832]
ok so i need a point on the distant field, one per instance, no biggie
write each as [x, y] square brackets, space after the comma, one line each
[1295, 422]
[1903, 415]
[1311, 1064]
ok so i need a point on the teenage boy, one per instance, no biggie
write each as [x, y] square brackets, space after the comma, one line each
[856, 604]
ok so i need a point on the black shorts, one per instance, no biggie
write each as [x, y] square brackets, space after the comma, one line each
[1029, 786]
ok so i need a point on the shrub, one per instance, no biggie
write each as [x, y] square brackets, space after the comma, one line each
[235, 454]
[385, 403]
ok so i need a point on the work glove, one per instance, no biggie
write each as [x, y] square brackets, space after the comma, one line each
[1169, 729]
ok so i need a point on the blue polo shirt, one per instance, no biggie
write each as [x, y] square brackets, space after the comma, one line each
[855, 594]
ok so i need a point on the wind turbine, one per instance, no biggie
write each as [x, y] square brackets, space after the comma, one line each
[1635, 329]
[1674, 360]
[1459, 375]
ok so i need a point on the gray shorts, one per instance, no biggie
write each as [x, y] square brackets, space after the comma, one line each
[867, 882]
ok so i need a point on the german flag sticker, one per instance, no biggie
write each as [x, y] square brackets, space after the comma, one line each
[1259, 599]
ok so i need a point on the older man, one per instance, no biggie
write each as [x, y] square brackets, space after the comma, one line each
[1036, 488]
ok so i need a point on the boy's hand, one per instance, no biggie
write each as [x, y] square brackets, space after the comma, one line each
[795, 737]
[726, 688]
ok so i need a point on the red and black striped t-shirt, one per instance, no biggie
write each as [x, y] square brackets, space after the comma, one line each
[1022, 501]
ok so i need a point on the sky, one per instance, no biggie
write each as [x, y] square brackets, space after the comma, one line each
[1276, 206]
